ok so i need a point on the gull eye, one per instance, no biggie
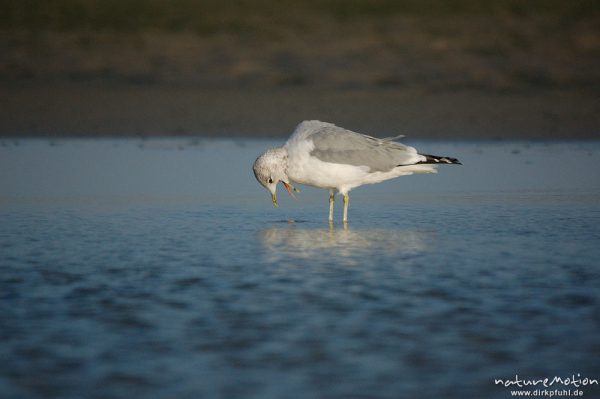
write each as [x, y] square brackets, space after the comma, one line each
[270, 180]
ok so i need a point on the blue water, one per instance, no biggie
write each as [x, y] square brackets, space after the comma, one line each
[159, 269]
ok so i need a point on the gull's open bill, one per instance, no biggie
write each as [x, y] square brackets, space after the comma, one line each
[290, 189]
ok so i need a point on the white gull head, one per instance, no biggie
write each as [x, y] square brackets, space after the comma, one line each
[271, 168]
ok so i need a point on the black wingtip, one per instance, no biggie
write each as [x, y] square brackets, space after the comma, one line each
[434, 159]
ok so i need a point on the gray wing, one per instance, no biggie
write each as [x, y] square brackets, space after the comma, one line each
[337, 145]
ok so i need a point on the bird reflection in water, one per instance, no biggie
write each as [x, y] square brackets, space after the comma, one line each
[345, 245]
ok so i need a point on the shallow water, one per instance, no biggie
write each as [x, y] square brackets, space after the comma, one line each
[158, 268]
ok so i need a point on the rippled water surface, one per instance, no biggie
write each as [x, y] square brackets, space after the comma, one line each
[159, 269]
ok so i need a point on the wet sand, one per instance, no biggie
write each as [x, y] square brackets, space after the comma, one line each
[87, 110]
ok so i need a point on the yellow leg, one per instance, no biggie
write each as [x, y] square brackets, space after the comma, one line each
[346, 202]
[331, 203]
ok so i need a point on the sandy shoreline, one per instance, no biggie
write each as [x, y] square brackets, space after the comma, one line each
[458, 75]
[79, 110]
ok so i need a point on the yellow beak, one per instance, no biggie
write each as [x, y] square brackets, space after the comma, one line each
[275, 200]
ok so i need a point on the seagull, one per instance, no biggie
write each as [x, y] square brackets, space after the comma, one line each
[323, 155]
